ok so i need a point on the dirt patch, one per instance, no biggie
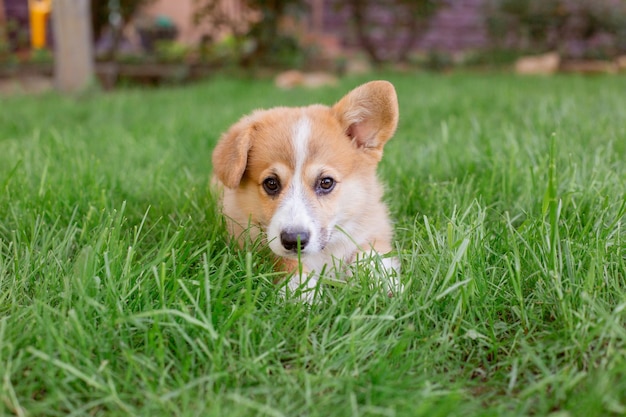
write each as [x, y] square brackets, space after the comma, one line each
[31, 84]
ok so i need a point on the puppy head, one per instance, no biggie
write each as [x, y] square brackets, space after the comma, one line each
[299, 172]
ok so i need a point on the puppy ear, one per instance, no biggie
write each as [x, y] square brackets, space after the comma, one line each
[369, 115]
[230, 156]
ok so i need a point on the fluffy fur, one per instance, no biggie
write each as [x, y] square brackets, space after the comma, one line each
[304, 179]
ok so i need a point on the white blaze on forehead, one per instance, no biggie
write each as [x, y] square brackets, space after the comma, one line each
[300, 141]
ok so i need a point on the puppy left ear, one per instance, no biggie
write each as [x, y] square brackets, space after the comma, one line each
[369, 115]
[230, 156]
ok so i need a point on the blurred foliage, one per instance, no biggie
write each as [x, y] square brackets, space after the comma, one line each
[101, 11]
[14, 36]
[171, 51]
[113, 14]
[576, 28]
[41, 56]
[253, 32]
[5, 47]
[378, 24]
[152, 31]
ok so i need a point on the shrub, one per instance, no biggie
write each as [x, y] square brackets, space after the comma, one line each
[576, 28]
[388, 30]
[255, 29]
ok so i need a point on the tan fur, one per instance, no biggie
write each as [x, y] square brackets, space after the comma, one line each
[345, 143]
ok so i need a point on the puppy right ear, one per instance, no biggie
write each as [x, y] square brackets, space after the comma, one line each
[230, 156]
[369, 115]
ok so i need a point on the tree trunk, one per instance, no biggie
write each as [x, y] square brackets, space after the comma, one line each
[73, 45]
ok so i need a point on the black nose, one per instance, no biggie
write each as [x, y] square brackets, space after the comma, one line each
[289, 239]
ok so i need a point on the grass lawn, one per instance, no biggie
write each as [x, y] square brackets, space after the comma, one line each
[119, 294]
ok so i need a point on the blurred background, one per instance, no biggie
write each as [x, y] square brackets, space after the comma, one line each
[299, 42]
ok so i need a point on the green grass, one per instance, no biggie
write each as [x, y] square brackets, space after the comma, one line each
[119, 294]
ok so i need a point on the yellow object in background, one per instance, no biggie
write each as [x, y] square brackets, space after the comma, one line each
[39, 10]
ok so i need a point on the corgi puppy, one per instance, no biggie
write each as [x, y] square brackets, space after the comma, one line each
[304, 180]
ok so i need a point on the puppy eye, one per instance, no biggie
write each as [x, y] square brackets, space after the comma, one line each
[325, 185]
[271, 186]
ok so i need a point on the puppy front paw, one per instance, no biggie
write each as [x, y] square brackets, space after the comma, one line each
[391, 276]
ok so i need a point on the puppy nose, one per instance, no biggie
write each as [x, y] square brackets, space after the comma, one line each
[289, 239]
